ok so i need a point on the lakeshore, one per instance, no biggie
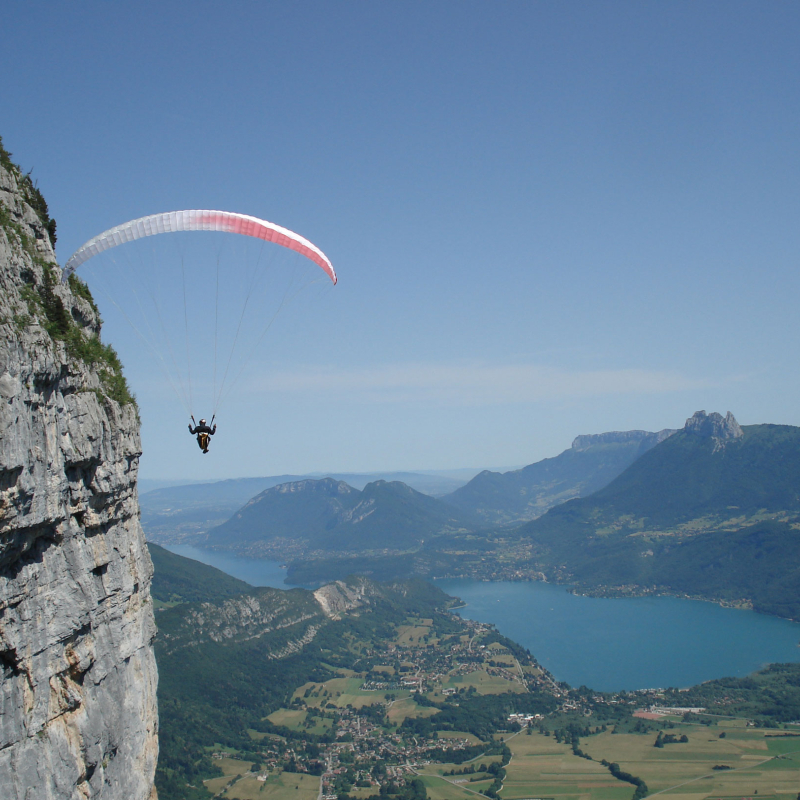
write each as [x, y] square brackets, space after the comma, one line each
[605, 643]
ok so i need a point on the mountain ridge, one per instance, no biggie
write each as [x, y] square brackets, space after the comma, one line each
[330, 515]
[688, 517]
[184, 512]
[590, 463]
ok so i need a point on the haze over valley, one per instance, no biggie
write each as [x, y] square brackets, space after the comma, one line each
[706, 511]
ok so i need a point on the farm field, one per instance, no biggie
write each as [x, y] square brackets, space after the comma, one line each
[454, 786]
[687, 769]
[341, 692]
[295, 719]
[483, 683]
[413, 634]
[540, 767]
[406, 707]
[439, 789]
[285, 786]
[231, 768]
[444, 789]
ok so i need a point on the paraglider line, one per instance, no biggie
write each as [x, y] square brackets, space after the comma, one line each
[253, 281]
[151, 344]
[186, 325]
[284, 302]
[153, 292]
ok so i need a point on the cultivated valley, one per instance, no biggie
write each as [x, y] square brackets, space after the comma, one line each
[363, 689]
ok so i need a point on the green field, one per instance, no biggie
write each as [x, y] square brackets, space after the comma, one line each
[507, 660]
[453, 786]
[406, 707]
[295, 719]
[411, 634]
[483, 683]
[438, 770]
[340, 692]
[540, 767]
[286, 786]
[231, 768]
[688, 769]
[440, 789]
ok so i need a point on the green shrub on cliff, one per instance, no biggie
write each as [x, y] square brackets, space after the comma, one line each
[31, 193]
[44, 304]
[46, 307]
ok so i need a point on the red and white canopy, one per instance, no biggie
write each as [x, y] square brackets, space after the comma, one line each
[171, 221]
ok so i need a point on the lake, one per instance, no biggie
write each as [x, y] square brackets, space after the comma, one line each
[607, 644]
[254, 571]
[630, 642]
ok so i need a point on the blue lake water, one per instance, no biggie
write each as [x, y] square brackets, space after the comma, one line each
[607, 644]
[253, 570]
[628, 643]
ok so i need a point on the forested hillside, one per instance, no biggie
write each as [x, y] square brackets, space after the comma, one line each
[183, 580]
[700, 514]
[226, 662]
[332, 516]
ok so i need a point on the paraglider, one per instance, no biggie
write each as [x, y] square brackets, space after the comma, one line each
[204, 433]
[180, 377]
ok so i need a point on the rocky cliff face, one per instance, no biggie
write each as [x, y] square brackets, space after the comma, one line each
[713, 426]
[645, 439]
[286, 620]
[78, 717]
[254, 615]
[338, 598]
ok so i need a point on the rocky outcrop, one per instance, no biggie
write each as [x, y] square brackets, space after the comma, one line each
[254, 615]
[284, 620]
[339, 597]
[78, 717]
[713, 426]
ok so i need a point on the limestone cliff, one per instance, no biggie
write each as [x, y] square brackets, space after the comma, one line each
[645, 439]
[714, 426]
[78, 717]
[338, 598]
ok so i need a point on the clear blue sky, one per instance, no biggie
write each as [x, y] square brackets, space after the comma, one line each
[548, 218]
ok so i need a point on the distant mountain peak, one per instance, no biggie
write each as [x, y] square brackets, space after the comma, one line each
[713, 426]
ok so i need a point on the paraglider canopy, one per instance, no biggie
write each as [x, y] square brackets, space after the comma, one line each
[198, 220]
[203, 324]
